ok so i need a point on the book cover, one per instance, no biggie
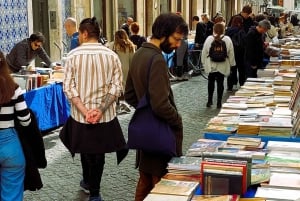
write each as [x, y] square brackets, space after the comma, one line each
[247, 141]
[185, 162]
[175, 187]
[221, 184]
[260, 175]
[215, 198]
[283, 146]
[277, 193]
[230, 158]
[226, 168]
[183, 177]
[165, 197]
[285, 180]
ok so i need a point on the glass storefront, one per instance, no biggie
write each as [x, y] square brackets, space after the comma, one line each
[165, 6]
[297, 4]
[125, 9]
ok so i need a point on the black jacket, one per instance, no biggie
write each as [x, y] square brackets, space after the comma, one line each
[34, 152]
[203, 30]
[22, 55]
[254, 50]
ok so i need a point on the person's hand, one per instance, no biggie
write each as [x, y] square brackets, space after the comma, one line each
[93, 116]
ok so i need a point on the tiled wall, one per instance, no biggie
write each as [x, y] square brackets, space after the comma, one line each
[13, 23]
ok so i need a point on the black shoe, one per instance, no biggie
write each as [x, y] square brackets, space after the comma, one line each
[84, 187]
[208, 104]
[219, 105]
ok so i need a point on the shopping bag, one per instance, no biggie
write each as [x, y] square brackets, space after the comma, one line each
[149, 133]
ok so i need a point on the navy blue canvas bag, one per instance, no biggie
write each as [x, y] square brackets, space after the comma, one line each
[148, 132]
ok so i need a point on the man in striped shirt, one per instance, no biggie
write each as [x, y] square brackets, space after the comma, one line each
[93, 82]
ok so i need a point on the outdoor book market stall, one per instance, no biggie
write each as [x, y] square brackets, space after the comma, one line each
[251, 148]
[44, 96]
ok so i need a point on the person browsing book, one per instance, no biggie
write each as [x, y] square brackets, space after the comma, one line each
[93, 83]
[217, 69]
[168, 31]
[25, 51]
[71, 30]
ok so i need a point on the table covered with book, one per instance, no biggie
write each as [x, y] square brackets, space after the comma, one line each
[250, 149]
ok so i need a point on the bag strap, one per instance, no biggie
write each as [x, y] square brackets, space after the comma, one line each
[148, 76]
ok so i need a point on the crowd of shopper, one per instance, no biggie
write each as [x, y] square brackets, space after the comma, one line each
[97, 77]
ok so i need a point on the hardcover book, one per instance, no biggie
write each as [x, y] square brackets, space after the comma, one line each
[228, 169]
[230, 158]
[221, 184]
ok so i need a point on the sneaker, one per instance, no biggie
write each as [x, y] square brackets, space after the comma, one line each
[84, 187]
[125, 107]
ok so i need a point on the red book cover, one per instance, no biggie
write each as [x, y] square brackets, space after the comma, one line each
[223, 168]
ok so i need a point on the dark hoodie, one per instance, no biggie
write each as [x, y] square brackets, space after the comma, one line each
[254, 49]
[237, 36]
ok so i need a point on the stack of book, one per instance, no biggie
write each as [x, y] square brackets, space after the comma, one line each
[184, 168]
[248, 142]
[277, 193]
[295, 105]
[223, 173]
[172, 190]
[249, 128]
[204, 145]
[277, 126]
[283, 156]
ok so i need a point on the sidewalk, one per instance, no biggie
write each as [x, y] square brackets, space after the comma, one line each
[63, 173]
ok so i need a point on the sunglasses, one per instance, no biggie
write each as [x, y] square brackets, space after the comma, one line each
[38, 45]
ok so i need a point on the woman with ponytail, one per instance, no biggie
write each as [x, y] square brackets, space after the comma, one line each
[217, 70]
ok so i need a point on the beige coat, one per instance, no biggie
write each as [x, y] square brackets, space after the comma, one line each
[222, 67]
[125, 58]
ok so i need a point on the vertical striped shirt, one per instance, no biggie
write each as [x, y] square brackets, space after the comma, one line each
[16, 107]
[91, 72]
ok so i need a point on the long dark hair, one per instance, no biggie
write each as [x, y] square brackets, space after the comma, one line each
[122, 41]
[7, 83]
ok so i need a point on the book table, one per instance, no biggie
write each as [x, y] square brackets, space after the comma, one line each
[223, 137]
[49, 104]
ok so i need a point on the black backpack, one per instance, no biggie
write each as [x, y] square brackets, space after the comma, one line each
[218, 50]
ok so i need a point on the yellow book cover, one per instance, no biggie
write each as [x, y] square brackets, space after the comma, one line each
[175, 187]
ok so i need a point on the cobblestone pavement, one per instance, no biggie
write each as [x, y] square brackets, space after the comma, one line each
[63, 173]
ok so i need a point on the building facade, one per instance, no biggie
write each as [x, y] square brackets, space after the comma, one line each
[20, 18]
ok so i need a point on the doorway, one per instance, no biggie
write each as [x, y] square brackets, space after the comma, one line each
[41, 22]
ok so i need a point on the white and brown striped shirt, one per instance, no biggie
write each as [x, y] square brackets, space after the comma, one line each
[91, 72]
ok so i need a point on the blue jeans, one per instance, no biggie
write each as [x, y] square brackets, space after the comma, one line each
[12, 166]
